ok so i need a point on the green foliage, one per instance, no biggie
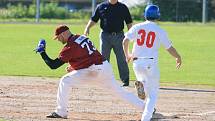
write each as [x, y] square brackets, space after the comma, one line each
[4, 13]
[31, 11]
[80, 14]
[18, 11]
[137, 12]
[47, 10]
[51, 10]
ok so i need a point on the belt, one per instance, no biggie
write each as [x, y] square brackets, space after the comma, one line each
[100, 62]
[136, 58]
[113, 33]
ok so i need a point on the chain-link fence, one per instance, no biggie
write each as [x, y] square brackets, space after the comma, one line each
[171, 10]
[186, 10]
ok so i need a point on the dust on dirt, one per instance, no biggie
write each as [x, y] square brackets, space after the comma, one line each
[31, 98]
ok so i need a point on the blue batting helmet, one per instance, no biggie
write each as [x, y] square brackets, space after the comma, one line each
[152, 12]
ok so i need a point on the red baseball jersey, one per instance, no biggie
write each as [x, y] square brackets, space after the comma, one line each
[80, 53]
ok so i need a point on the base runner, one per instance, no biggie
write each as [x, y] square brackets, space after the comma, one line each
[147, 37]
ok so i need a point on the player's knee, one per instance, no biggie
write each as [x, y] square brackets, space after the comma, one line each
[64, 79]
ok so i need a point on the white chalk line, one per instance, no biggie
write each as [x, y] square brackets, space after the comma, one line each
[188, 114]
[206, 113]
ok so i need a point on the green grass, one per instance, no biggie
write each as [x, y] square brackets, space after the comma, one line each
[195, 43]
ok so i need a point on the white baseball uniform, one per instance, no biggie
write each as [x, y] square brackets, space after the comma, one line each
[147, 37]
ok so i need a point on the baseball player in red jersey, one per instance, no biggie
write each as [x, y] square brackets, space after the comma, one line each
[87, 65]
[147, 37]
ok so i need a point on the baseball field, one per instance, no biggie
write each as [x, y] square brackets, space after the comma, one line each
[28, 87]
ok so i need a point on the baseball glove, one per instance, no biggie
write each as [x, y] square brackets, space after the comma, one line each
[140, 90]
[41, 46]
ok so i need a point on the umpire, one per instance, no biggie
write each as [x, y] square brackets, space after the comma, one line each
[112, 15]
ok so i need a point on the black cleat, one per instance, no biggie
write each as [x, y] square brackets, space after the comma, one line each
[125, 84]
[55, 115]
[154, 111]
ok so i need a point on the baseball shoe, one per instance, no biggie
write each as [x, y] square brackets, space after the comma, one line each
[55, 115]
[140, 90]
[154, 111]
[125, 84]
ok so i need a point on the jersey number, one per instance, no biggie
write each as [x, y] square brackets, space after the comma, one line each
[89, 46]
[150, 38]
[85, 42]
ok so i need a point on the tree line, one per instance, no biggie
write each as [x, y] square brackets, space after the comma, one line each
[171, 10]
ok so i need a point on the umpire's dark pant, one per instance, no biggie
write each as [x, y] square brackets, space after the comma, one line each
[114, 40]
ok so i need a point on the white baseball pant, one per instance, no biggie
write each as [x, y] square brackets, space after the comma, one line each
[146, 71]
[101, 75]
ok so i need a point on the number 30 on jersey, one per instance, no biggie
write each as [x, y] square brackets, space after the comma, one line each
[149, 37]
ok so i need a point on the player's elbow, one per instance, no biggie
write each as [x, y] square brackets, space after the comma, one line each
[125, 41]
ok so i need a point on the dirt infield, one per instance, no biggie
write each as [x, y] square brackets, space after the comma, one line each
[31, 98]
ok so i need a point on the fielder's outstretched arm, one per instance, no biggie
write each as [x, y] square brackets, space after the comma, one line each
[53, 64]
[41, 48]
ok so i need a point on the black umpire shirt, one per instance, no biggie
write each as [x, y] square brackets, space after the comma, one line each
[112, 16]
